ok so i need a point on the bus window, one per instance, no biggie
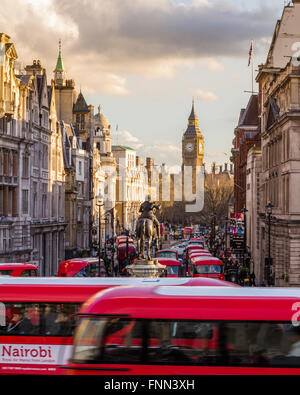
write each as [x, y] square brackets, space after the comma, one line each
[208, 269]
[94, 270]
[173, 270]
[186, 343]
[179, 342]
[5, 272]
[109, 341]
[81, 273]
[29, 273]
[42, 319]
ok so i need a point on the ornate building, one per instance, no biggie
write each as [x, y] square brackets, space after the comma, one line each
[279, 99]
[246, 135]
[131, 187]
[105, 174]
[28, 230]
[46, 188]
[15, 150]
[76, 126]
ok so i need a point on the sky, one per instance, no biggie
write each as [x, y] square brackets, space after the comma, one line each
[143, 62]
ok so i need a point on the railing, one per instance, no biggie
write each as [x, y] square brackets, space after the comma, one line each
[8, 180]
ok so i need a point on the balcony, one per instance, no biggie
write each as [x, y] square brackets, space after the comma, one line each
[9, 107]
[9, 180]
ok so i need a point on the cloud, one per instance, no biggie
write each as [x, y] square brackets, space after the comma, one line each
[162, 152]
[159, 150]
[105, 42]
[206, 96]
[127, 138]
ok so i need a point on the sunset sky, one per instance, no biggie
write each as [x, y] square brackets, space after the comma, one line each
[143, 61]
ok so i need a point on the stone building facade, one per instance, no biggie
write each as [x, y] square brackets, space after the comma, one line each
[279, 110]
[15, 151]
[253, 205]
[246, 135]
[76, 125]
[131, 187]
[29, 231]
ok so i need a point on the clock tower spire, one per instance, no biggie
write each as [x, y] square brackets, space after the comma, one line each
[193, 142]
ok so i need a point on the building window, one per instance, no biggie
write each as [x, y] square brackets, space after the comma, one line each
[45, 157]
[80, 189]
[34, 200]
[80, 168]
[10, 201]
[79, 213]
[59, 201]
[5, 236]
[25, 201]
[36, 158]
[44, 201]
[53, 201]
[25, 167]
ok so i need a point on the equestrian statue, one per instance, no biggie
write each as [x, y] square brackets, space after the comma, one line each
[147, 228]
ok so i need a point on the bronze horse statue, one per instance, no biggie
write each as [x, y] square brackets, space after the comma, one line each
[147, 228]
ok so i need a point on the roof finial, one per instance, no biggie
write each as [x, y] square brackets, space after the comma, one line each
[59, 64]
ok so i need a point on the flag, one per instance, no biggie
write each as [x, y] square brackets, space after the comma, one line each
[250, 53]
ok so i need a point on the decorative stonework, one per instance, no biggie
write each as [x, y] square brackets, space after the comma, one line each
[145, 268]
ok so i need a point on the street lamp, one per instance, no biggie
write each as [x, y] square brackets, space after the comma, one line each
[269, 260]
[99, 239]
[245, 211]
[213, 230]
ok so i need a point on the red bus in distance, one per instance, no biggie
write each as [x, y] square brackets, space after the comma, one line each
[81, 267]
[18, 270]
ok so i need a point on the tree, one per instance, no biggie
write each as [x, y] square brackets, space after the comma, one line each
[218, 193]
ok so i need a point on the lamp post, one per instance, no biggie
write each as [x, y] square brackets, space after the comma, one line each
[269, 260]
[213, 231]
[245, 211]
[99, 239]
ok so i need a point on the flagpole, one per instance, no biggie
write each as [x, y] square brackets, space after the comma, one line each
[253, 70]
[251, 62]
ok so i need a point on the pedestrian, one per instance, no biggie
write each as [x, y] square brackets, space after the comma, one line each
[252, 279]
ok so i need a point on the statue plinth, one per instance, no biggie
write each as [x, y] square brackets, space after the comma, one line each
[144, 268]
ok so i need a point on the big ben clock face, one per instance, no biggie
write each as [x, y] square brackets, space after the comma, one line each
[200, 147]
[189, 147]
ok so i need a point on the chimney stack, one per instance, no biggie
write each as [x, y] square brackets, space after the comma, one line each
[149, 163]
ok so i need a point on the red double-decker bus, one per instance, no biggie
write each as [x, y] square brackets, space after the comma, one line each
[38, 317]
[18, 269]
[189, 331]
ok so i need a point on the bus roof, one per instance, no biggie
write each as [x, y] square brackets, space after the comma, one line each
[18, 265]
[206, 260]
[202, 303]
[72, 290]
[168, 261]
